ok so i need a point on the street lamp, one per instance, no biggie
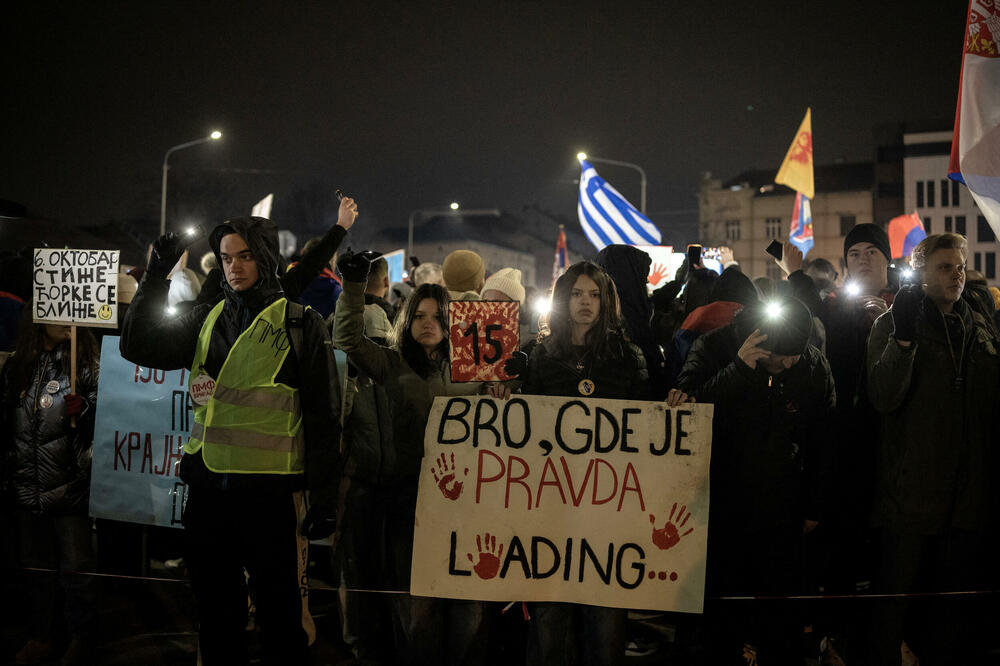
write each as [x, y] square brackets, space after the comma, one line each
[214, 136]
[642, 174]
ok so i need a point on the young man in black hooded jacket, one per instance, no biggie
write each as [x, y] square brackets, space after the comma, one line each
[266, 410]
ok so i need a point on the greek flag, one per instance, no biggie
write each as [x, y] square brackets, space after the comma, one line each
[607, 218]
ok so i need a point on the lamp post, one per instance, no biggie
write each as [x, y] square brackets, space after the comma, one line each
[450, 210]
[214, 136]
[642, 175]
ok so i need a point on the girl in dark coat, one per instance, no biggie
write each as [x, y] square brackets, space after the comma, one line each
[585, 354]
[47, 469]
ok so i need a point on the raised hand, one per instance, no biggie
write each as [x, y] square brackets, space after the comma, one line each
[347, 213]
[751, 352]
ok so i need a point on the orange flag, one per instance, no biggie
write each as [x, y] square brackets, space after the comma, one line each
[797, 170]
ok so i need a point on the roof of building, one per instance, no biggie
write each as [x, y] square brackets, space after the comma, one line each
[828, 178]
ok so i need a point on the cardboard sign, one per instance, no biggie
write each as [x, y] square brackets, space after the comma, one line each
[75, 287]
[143, 420]
[537, 498]
[483, 335]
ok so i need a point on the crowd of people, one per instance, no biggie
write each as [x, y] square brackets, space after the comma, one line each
[854, 421]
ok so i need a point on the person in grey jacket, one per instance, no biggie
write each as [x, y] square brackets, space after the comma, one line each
[47, 470]
[933, 371]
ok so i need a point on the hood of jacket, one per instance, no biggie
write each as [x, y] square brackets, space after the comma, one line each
[261, 236]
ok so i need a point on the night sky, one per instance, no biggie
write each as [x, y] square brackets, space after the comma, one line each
[410, 105]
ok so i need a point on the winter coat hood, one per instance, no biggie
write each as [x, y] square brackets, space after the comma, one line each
[261, 236]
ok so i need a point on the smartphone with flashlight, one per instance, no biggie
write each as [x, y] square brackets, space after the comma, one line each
[340, 195]
[191, 235]
[694, 255]
[775, 249]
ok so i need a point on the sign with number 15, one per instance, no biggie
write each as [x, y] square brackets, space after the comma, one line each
[483, 335]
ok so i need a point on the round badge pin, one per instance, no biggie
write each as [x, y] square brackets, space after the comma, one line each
[586, 387]
[45, 401]
[201, 389]
[52, 386]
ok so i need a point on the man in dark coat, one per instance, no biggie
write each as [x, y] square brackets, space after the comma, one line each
[933, 372]
[773, 394]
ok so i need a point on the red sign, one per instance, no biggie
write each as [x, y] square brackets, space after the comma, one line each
[483, 335]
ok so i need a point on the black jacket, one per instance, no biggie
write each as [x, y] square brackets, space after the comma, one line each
[620, 373]
[47, 462]
[150, 338]
[770, 435]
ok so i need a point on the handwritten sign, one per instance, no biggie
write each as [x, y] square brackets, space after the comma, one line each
[75, 287]
[537, 498]
[143, 420]
[483, 335]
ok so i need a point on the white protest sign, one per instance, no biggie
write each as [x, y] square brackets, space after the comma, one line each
[601, 502]
[143, 420]
[75, 287]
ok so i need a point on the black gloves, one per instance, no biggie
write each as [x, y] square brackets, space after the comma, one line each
[516, 365]
[905, 310]
[355, 266]
[167, 250]
[319, 523]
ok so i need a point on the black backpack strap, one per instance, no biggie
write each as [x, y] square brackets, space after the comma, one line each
[294, 315]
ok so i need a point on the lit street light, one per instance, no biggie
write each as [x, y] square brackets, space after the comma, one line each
[214, 136]
[581, 156]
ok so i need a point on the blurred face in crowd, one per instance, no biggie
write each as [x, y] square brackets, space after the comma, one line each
[426, 329]
[867, 267]
[943, 277]
[55, 335]
[238, 263]
[495, 295]
[584, 303]
[775, 364]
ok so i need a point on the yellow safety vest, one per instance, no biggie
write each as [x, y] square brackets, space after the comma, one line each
[251, 424]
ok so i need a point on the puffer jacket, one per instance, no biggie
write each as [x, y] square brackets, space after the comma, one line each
[168, 343]
[770, 434]
[47, 461]
[935, 462]
[619, 373]
[404, 398]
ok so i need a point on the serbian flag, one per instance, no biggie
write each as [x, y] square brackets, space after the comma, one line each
[975, 148]
[797, 170]
[801, 234]
[562, 259]
[905, 232]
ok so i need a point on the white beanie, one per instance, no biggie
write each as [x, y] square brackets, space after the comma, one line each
[508, 281]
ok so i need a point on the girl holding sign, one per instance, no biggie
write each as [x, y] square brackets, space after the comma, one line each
[47, 465]
[584, 354]
[412, 372]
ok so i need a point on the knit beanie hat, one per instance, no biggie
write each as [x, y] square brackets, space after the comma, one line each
[507, 280]
[463, 271]
[868, 233]
[786, 322]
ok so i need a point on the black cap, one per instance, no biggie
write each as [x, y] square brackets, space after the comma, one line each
[787, 323]
[868, 233]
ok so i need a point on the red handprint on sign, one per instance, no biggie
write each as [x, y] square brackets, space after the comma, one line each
[489, 560]
[657, 274]
[444, 475]
[670, 535]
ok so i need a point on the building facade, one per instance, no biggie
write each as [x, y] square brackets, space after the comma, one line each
[943, 204]
[749, 211]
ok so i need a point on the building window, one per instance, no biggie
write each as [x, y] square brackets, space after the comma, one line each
[991, 265]
[930, 194]
[960, 224]
[947, 224]
[847, 223]
[977, 262]
[772, 227]
[732, 230]
[944, 192]
[984, 232]
[920, 194]
[954, 193]
[927, 224]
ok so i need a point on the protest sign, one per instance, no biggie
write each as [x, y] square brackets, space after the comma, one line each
[75, 287]
[143, 420]
[538, 498]
[483, 335]
[396, 264]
